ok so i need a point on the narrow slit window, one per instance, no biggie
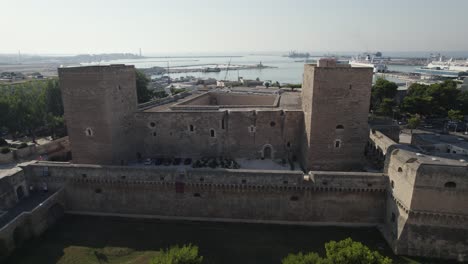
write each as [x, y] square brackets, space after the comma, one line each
[337, 143]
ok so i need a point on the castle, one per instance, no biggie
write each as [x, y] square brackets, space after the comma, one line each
[325, 126]
[418, 202]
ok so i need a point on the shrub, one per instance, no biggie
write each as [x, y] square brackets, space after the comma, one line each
[187, 254]
[309, 258]
[349, 251]
[345, 251]
[3, 142]
[5, 150]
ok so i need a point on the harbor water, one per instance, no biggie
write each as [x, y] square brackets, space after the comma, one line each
[284, 69]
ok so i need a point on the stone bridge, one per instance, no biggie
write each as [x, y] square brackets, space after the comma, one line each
[29, 218]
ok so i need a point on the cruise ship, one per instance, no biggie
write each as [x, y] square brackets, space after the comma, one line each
[366, 60]
[450, 65]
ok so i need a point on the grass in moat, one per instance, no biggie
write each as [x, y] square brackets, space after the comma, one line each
[90, 240]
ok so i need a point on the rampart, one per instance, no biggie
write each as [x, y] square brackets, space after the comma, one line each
[31, 223]
[221, 194]
[34, 150]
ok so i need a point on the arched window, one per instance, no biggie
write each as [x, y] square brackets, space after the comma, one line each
[191, 128]
[339, 127]
[272, 123]
[152, 124]
[450, 185]
[400, 169]
[89, 132]
[212, 133]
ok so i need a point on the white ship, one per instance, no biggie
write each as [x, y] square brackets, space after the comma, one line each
[450, 65]
[366, 60]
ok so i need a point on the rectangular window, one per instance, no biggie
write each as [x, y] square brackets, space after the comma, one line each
[337, 143]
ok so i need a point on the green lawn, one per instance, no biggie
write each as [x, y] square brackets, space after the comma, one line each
[86, 239]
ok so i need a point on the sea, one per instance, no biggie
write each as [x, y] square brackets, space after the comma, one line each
[283, 69]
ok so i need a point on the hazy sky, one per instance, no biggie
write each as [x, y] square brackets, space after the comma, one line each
[92, 26]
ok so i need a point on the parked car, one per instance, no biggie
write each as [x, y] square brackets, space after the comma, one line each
[148, 162]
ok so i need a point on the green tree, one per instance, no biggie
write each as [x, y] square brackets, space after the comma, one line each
[160, 94]
[421, 105]
[414, 122]
[462, 102]
[386, 107]
[350, 252]
[381, 90]
[455, 115]
[30, 106]
[143, 94]
[345, 251]
[53, 98]
[299, 258]
[187, 254]
[435, 99]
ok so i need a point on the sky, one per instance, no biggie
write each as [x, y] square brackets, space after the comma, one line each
[216, 26]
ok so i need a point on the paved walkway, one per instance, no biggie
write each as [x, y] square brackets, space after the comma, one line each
[25, 205]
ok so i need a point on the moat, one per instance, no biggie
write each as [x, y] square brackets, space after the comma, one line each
[92, 239]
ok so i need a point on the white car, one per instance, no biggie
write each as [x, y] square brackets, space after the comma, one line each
[148, 162]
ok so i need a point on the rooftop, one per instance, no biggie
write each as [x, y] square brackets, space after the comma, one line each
[241, 98]
[443, 139]
[444, 159]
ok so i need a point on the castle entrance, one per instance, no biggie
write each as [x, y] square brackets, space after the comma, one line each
[267, 152]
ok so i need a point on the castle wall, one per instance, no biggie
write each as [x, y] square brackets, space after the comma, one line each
[220, 194]
[425, 217]
[31, 224]
[336, 105]
[236, 133]
[8, 189]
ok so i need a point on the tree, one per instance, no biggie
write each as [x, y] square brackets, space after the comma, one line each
[345, 251]
[30, 106]
[53, 98]
[299, 258]
[455, 116]
[421, 105]
[187, 254]
[386, 107]
[349, 252]
[143, 94]
[414, 122]
[462, 102]
[160, 94]
[381, 90]
[435, 99]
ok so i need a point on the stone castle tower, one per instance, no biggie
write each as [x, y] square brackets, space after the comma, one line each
[99, 102]
[335, 101]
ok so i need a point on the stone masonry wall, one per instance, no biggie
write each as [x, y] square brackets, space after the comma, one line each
[336, 105]
[219, 194]
[99, 102]
[242, 134]
[424, 217]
